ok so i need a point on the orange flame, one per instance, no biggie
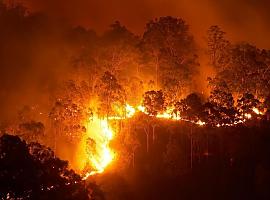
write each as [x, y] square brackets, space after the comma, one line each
[257, 111]
[101, 133]
[100, 155]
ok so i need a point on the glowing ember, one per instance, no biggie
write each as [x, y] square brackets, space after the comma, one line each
[164, 115]
[141, 108]
[201, 123]
[130, 111]
[248, 116]
[257, 111]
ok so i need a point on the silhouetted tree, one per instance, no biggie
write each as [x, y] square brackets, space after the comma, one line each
[247, 71]
[153, 101]
[190, 107]
[218, 48]
[246, 103]
[33, 172]
[32, 131]
[170, 47]
[221, 101]
[111, 95]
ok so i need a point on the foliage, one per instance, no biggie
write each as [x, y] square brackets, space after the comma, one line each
[32, 131]
[33, 172]
[153, 101]
[171, 49]
[68, 118]
[190, 107]
[111, 96]
[247, 71]
[218, 48]
[247, 102]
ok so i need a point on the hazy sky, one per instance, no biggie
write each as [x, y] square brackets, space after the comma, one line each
[242, 19]
[26, 78]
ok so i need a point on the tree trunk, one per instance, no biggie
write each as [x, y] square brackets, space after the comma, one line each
[133, 159]
[207, 146]
[157, 69]
[191, 149]
[154, 136]
[56, 132]
[147, 142]
[147, 139]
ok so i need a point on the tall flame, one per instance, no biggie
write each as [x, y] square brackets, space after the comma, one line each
[99, 154]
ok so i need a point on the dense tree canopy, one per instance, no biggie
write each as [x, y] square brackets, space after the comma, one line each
[33, 172]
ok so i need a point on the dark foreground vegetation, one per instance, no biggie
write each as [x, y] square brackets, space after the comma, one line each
[32, 171]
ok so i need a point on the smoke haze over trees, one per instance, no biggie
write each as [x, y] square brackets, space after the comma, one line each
[179, 90]
[44, 47]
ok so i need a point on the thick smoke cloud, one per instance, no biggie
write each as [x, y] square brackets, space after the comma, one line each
[30, 66]
[244, 20]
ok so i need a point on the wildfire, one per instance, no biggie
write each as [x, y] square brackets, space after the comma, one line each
[130, 111]
[248, 115]
[257, 111]
[200, 123]
[96, 143]
[141, 108]
[99, 134]
[167, 114]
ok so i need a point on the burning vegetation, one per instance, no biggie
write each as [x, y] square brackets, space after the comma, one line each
[134, 105]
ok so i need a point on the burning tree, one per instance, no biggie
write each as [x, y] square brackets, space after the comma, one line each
[67, 118]
[247, 70]
[220, 102]
[218, 48]
[111, 96]
[190, 108]
[171, 48]
[246, 103]
[154, 102]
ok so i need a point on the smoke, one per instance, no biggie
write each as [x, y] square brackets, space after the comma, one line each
[32, 59]
[244, 20]
[30, 65]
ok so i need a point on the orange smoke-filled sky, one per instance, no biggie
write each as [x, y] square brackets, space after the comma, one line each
[243, 20]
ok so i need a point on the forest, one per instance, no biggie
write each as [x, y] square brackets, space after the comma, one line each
[120, 115]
